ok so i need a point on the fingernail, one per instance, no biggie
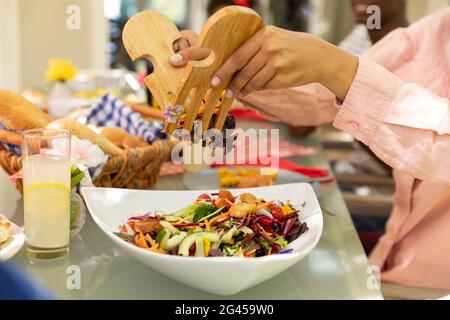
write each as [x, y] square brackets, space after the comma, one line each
[229, 93]
[176, 58]
[240, 95]
[215, 81]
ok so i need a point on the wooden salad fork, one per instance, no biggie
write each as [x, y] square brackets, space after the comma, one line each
[150, 35]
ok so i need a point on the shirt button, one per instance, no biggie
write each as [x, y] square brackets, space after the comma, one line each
[353, 126]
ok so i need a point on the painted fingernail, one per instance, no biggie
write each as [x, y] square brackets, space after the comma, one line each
[176, 58]
[215, 81]
[229, 93]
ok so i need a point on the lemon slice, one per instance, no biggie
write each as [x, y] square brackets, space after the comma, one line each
[50, 197]
[48, 186]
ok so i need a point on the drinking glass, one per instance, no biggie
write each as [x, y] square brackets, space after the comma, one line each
[46, 167]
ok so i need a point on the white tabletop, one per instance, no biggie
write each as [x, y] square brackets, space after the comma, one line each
[336, 269]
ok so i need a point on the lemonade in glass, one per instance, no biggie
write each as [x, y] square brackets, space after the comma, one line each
[46, 191]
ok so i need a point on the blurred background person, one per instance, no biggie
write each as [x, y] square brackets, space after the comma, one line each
[361, 37]
[358, 41]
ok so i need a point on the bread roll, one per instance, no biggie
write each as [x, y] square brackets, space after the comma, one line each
[148, 111]
[115, 135]
[122, 139]
[17, 113]
[83, 132]
[5, 229]
[134, 142]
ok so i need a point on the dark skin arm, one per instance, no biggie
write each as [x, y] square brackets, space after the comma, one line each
[276, 58]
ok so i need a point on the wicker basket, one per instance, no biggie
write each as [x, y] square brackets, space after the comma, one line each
[137, 168]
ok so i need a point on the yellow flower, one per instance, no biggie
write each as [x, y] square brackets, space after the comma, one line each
[60, 70]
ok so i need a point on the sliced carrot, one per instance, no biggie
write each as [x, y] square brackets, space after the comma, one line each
[266, 204]
[152, 242]
[249, 253]
[138, 230]
[221, 216]
[207, 225]
[200, 111]
[157, 250]
[139, 240]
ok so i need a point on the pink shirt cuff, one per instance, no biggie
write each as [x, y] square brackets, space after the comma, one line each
[367, 102]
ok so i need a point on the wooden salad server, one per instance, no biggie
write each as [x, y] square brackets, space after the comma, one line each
[150, 35]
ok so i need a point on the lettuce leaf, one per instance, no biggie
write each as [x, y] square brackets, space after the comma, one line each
[282, 242]
[185, 212]
[202, 211]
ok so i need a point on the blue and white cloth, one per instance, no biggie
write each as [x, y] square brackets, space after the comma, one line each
[111, 112]
[10, 147]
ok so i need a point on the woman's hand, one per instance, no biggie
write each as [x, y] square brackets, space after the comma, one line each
[186, 49]
[276, 58]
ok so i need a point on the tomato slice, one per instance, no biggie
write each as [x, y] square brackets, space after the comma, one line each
[276, 212]
[203, 197]
[266, 222]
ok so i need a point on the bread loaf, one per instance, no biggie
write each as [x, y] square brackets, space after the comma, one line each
[83, 132]
[18, 114]
[10, 137]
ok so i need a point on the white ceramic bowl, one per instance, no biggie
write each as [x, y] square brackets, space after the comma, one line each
[219, 275]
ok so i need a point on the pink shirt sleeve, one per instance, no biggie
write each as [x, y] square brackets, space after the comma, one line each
[309, 105]
[406, 125]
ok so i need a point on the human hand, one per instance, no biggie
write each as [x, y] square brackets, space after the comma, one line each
[276, 58]
[186, 49]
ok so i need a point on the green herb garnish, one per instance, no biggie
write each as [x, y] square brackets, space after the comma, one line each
[212, 215]
[202, 211]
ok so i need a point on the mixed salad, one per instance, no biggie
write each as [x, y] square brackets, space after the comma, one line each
[218, 224]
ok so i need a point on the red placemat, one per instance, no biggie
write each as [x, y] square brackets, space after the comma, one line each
[247, 114]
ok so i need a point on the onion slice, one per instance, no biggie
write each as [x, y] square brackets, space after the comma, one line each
[264, 212]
